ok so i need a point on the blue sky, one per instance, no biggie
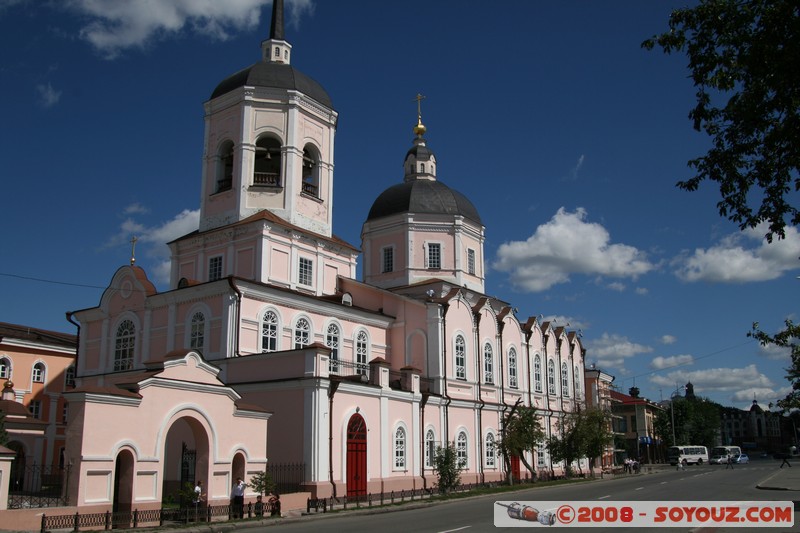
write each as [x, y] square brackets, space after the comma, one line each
[565, 133]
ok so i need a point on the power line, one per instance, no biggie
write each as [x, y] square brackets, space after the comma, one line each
[54, 282]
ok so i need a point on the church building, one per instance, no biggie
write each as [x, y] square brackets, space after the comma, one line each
[266, 348]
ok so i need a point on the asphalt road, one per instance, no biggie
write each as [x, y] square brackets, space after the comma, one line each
[473, 515]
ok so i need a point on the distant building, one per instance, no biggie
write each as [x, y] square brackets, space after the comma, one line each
[598, 395]
[755, 429]
[36, 367]
[635, 421]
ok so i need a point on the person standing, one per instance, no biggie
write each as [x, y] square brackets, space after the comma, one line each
[237, 498]
[199, 498]
[729, 463]
[785, 457]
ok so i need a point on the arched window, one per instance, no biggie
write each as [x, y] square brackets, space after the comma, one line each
[38, 373]
[69, 376]
[5, 368]
[124, 346]
[269, 332]
[302, 333]
[198, 331]
[537, 373]
[488, 364]
[564, 380]
[332, 342]
[430, 450]
[362, 352]
[551, 377]
[576, 377]
[400, 449]
[224, 174]
[310, 171]
[461, 450]
[461, 357]
[512, 368]
[267, 166]
[490, 450]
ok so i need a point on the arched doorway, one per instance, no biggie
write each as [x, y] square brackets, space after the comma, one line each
[356, 456]
[122, 504]
[186, 457]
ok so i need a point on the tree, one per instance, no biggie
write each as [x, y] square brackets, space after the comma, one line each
[522, 432]
[697, 421]
[786, 338]
[568, 445]
[261, 483]
[597, 433]
[584, 433]
[447, 468]
[743, 57]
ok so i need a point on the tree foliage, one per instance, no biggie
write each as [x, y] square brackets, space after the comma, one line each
[697, 421]
[261, 483]
[4, 438]
[447, 468]
[580, 434]
[786, 338]
[522, 432]
[743, 57]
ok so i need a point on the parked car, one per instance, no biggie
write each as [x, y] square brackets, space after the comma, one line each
[719, 460]
[741, 459]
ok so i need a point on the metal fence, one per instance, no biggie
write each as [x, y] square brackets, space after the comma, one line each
[288, 477]
[36, 486]
[155, 517]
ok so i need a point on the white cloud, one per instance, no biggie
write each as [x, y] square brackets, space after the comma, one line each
[774, 352]
[659, 363]
[611, 351]
[136, 209]
[741, 257]
[566, 245]
[668, 339]
[573, 173]
[616, 286]
[115, 25]
[48, 96]
[715, 379]
[642, 291]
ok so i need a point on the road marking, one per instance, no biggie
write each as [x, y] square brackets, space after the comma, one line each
[604, 497]
[640, 488]
[457, 529]
[664, 482]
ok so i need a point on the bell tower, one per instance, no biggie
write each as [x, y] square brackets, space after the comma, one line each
[269, 143]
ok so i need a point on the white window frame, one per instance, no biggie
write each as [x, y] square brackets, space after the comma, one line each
[361, 351]
[488, 364]
[430, 447]
[333, 340]
[565, 380]
[537, 373]
[35, 408]
[197, 331]
[69, 376]
[512, 368]
[270, 331]
[124, 346]
[302, 333]
[305, 272]
[576, 378]
[462, 449]
[5, 367]
[490, 450]
[215, 268]
[39, 372]
[400, 448]
[471, 261]
[460, 353]
[551, 377]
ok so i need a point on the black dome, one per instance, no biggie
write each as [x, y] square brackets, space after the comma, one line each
[423, 196]
[277, 75]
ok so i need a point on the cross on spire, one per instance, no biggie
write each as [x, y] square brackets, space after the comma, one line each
[133, 249]
[419, 129]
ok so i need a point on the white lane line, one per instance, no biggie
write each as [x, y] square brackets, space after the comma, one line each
[457, 529]
[604, 497]
[640, 488]
[664, 482]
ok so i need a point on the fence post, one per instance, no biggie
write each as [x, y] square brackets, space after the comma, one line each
[249, 509]
[77, 520]
[44, 517]
[135, 518]
[208, 513]
[108, 520]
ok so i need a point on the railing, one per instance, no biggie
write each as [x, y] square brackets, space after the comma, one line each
[38, 486]
[267, 179]
[287, 476]
[310, 189]
[136, 518]
[347, 368]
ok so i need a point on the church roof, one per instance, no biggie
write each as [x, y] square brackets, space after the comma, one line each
[274, 75]
[423, 196]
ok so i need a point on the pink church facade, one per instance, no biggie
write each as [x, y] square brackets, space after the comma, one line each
[266, 348]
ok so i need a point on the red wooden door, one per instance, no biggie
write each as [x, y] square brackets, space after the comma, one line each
[356, 456]
[515, 470]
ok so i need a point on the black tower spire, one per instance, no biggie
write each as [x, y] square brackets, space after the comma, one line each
[276, 27]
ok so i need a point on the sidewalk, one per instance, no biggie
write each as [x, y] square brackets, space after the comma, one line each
[785, 478]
